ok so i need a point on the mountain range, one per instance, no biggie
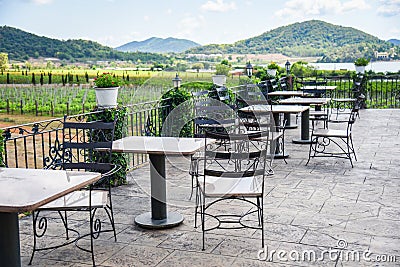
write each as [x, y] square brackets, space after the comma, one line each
[158, 45]
[21, 46]
[314, 38]
[394, 41]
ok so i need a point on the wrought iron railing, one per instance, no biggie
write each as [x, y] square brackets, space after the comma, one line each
[381, 91]
[32, 145]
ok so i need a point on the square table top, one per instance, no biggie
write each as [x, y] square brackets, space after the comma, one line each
[158, 145]
[27, 189]
[275, 108]
[305, 101]
[287, 93]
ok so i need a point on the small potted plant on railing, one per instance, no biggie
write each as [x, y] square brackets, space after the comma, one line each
[272, 68]
[106, 88]
[360, 64]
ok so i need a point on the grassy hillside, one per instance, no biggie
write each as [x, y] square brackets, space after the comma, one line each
[21, 45]
[332, 43]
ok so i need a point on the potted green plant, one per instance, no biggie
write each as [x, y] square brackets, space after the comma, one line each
[272, 68]
[360, 64]
[106, 88]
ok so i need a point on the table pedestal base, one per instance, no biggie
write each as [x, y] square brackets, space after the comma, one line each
[173, 219]
[302, 141]
[280, 156]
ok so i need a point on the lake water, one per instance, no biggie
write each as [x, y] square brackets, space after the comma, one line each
[381, 66]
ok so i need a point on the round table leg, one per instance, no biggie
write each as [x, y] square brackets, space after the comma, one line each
[305, 129]
[9, 239]
[159, 217]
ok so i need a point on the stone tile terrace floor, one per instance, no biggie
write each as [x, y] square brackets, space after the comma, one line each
[306, 208]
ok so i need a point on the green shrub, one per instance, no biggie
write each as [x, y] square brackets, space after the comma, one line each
[171, 100]
[361, 61]
[120, 159]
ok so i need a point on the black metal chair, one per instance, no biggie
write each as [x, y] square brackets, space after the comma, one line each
[268, 121]
[283, 84]
[342, 138]
[86, 146]
[209, 115]
[233, 174]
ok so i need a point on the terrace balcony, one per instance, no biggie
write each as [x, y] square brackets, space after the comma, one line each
[325, 207]
[311, 212]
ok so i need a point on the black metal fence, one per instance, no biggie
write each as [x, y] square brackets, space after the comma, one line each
[381, 91]
[32, 145]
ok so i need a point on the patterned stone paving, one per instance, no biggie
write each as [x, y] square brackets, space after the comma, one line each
[324, 208]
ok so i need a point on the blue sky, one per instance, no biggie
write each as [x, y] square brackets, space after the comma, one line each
[116, 22]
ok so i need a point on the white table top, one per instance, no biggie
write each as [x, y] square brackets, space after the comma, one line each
[158, 145]
[27, 189]
[287, 93]
[318, 87]
[305, 101]
[275, 108]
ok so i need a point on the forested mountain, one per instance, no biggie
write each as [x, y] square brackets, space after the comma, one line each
[21, 45]
[332, 43]
[158, 45]
[394, 41]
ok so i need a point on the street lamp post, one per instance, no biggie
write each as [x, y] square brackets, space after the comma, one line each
[287, 66]
[288, 77]
[249, 70]
[177, 81]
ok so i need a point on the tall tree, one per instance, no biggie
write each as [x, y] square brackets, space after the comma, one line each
[3, 61]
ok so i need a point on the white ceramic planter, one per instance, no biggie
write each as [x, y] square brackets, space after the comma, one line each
[271, 72]
[360, 69]
[106, 97]
[219, 80]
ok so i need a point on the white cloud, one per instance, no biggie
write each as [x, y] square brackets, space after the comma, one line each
[389, 8]
[394, 31]
[146, 18]
[218, 6]
[301, 8]
[188, 25]
[42, 2]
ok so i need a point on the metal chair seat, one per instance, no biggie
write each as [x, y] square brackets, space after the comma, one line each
[230, 187]
[330, 133]
[79, 200]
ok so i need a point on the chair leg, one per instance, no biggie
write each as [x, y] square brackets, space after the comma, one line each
[203, 210]
[111, 214]
[352, 147]
[191, 191]
[34, 221]
[283, 147]
[92, 234]
[309, 151]
[258, 211]
[348, 151]
[196, 208]
[261, 209]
